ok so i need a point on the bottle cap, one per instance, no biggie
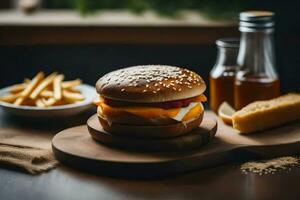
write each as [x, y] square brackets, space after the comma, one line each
[256, 20]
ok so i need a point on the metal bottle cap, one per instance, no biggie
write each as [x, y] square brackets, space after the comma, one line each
[256, 20]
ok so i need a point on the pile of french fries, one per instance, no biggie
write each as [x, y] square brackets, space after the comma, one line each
[44, 91]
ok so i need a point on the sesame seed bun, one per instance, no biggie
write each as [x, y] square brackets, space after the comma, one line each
[150, 83]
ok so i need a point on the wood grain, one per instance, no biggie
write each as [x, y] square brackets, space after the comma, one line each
[228, 146]
[68, 184]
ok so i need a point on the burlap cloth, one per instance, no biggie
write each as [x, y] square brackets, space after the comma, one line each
[25, 149]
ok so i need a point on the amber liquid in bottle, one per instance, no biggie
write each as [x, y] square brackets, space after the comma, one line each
[222, 75]
[256, 79]
[254, 88]
[221, 89]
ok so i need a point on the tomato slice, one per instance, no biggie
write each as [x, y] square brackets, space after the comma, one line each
[164, 105]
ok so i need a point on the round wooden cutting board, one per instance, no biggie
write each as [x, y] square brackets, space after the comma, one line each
[121, 156]
[76, 148]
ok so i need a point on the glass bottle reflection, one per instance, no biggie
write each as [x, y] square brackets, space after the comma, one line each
[222, 75]
[256, 78]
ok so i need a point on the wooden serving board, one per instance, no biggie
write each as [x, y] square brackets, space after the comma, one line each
[75, 147]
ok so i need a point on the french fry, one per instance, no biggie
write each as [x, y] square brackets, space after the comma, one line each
[72, 97]
[10, 98]
[70, 84]
[29, 87]
[47, 93]
[49, 102]
[57, 86]
[17, 88]
[39, 103]
[44, 91]
[43, 84]
[72, 89]
[19, 101]
[27, 80]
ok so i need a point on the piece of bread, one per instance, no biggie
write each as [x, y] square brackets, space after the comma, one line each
[261, 115]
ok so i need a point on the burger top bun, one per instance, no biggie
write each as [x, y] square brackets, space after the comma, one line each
[150, 83]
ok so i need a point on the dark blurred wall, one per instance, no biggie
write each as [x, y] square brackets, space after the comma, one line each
[91, 61]
[5, 4]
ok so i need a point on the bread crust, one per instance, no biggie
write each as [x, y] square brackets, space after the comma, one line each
[150, 83]
[151, 131]
[261, 115]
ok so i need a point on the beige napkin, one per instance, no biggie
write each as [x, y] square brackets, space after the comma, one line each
[29, 150]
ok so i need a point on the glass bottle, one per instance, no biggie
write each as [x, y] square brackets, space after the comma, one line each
[222, 75]
[256, 78]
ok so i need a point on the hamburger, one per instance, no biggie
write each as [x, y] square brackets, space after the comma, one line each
[150, 101]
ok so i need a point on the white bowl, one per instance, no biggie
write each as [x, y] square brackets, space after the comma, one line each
[55, 111]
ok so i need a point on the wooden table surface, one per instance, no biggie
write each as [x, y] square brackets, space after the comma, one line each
[223, 182]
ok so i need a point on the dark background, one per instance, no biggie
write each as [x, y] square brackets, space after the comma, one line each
[90, 61]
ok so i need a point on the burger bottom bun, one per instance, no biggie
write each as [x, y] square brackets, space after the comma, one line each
[151, 131]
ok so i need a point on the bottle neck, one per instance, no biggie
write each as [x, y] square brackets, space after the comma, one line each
[256, 54]
[227, 57]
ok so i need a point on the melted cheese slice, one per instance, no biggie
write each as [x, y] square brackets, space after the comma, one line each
[179, 114]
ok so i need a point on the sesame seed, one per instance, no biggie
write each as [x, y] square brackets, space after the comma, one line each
[168, 77]
[174, 88]
[144, 91]
[154, 92]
